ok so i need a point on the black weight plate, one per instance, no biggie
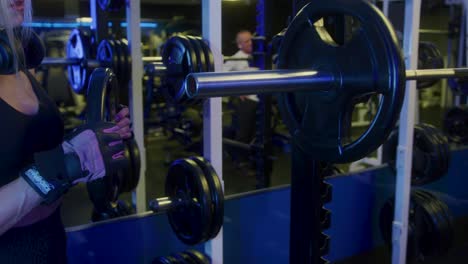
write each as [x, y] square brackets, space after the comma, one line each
[315, 119]
[199, 257]
[106, 55]
[132, 174]
[184, 258]
[456, 125]
[217, 194]
[429, 57]
[202, 66]
[445, 154]
[209, 58]
[439, 244]
[119, 67]
[78, 47]
[442, 221]
[191, 217]
[162, 260]
[427, 145]
[196, 65]
[136, 163]
[180, 60]
[127, 63]
[442, 164]
[102, 103]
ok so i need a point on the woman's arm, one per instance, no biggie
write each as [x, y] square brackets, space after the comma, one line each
[17, 199]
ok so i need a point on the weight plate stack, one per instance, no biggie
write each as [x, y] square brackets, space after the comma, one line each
[79, 47]
[430, 227]
[192, 216]
[429, 57]
[180, 59]
[431, 153]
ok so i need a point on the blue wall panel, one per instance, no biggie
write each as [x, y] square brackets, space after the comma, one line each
[256, 225]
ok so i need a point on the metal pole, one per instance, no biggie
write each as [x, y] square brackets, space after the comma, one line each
[136, 97]
[405, 137]
[212, 111]
[202, 85]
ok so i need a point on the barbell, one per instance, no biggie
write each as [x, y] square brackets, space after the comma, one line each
[318, 79]
[111, 54]
[194, 200]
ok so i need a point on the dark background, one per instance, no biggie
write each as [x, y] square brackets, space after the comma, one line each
[236, 15]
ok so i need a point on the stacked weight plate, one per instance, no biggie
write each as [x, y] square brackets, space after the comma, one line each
[183, 55]
[196, 188]
[186, 257]
[430, 228]
[431, 153]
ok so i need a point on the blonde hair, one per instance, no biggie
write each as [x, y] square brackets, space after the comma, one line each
[7, 23]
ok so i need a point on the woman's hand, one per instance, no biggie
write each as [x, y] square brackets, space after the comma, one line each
[123, 126]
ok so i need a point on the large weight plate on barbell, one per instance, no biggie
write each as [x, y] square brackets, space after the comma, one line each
[217, 194]
[202, 66]
[369, 63]
[191, 216]
[180, 60]
[209, 59]
[78, 47]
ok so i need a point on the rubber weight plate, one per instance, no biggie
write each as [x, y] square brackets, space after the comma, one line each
[78, 47]
[184, 258]
[107, 55]
[180, 60]
[188, 186]
[132, 174]
[209, 58]
[199, 257]
[430, 160]
[126, 64]
[217, 194]
[439, 232]
[420, 226]
[202, 66]
[444, 148]
[102, 105]
[429, 57]
[455, 125]
[316, 119]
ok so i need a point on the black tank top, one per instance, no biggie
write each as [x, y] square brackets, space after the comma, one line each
[21, 136]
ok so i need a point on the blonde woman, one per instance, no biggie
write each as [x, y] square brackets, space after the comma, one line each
[37, 164]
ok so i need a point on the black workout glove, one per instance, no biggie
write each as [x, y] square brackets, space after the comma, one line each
[89, 153]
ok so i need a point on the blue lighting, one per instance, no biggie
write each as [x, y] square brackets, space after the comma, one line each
[57, 24]
[142, 24]
[81, 24]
